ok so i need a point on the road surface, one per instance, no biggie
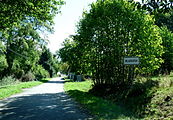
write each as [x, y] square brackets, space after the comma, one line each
[44, 102]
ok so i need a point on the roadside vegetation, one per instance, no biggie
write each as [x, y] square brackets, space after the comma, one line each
[112, 30]
[101, 109]
[15, 87]
[148, 98]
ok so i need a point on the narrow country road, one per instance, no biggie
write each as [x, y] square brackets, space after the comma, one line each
[44, 102]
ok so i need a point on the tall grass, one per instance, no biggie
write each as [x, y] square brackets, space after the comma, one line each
[7, 81]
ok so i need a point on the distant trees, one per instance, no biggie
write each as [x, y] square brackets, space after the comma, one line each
[111, 30]
[49, 62]
[71, 55]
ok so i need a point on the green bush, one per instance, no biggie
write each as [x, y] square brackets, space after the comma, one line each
[40, 72]
[167, 38]
[3, 62]
[7, 81]
[19, 73]
[28, 77]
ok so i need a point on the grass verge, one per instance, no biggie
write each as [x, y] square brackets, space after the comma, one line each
[102, 109]
[148, 98]
[7, 91]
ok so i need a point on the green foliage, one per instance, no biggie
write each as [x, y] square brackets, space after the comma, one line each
[165, 20]
[163, 14]
[49, 62]
[39, 11]
[3, 61]
[9, 80]
[40, 72]
[64, 68]
[19, 73]
[111, 30]
[56, 65]
[70, 54]
[22, 48]
[167, 38]
[28, 77]
[21, 26]
[156, 6]
[161, 10]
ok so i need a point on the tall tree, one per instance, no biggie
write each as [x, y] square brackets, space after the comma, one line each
[22, 44]
[112, 30]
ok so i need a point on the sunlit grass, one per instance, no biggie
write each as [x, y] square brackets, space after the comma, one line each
[100, 108]
[7, 91]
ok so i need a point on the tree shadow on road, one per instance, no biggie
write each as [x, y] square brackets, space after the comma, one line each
[61, 82]
[41, 107]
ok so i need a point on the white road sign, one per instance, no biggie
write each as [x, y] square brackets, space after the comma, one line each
[131, 60]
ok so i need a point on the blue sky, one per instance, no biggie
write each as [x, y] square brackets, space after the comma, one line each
[65, 23]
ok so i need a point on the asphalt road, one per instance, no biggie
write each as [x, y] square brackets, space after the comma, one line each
[44, 102]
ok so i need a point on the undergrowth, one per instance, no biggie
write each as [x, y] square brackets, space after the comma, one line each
[148, 98]
[102, 109]
[8, 81]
